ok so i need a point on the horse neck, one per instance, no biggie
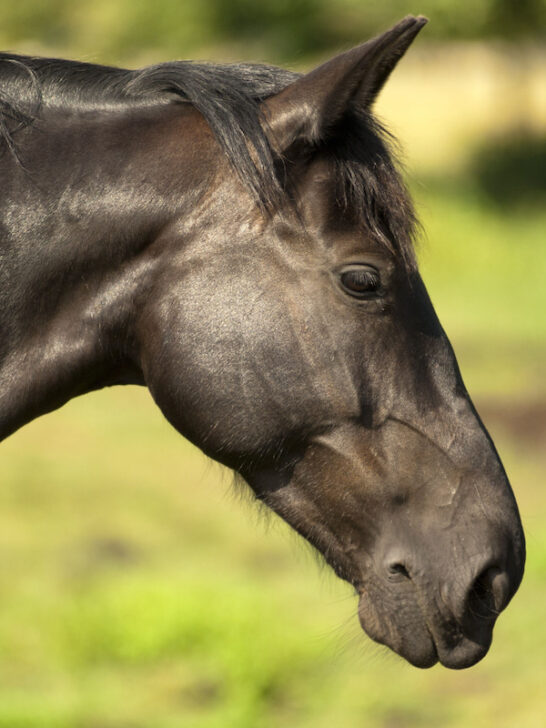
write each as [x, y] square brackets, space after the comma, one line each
[79, 232]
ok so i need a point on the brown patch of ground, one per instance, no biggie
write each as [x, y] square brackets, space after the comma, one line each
[524, 421]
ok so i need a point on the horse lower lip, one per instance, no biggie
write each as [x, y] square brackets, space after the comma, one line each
[420, 655]
[425, 659]
[411, 639]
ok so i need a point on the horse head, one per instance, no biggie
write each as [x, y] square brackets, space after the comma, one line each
[308, 357]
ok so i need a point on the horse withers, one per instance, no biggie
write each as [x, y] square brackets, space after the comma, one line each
[238, 239]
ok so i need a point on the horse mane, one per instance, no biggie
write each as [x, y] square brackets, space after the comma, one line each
[228, 97]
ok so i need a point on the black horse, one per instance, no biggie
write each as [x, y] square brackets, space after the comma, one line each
[238, 239]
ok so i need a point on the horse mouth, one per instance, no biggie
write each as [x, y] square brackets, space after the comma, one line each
[422, 643]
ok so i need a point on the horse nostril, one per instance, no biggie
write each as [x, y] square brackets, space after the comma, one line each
[397, 569]
[394, 564]
[488, 594]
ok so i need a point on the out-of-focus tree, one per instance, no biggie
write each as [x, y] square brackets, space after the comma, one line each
[516, 18]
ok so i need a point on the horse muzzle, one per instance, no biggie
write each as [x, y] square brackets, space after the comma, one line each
[440, 610]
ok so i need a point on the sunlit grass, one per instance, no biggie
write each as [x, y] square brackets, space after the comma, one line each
[485, 271]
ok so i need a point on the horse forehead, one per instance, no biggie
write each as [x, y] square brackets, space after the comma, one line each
[329, 226]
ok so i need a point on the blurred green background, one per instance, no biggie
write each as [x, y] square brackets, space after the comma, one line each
[137, 587]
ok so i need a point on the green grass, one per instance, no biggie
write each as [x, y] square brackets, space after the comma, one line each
[134, 598]
[137, 590]
[485, 271]
[485, 267]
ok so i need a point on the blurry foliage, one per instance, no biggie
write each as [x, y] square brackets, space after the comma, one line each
[512, 170]
[291, 27]
[282, 30]
[517, 18]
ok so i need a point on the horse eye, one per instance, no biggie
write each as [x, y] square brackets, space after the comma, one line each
[360, 281]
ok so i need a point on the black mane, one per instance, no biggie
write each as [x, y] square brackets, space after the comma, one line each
[228, 97]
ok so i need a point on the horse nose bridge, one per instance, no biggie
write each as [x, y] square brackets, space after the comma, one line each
[453, 429]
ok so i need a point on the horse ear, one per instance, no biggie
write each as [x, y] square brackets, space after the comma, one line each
[308, 108]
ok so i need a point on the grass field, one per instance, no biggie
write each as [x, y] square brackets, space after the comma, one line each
[139, 590]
